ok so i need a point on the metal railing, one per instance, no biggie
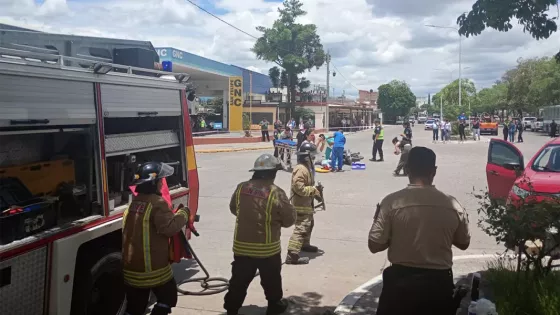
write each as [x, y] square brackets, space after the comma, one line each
[52, 60]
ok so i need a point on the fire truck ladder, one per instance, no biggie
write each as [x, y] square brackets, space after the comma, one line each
[47, 58]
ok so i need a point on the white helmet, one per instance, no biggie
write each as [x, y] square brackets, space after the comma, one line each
[266, 162]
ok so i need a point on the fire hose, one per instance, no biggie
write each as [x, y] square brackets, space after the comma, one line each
[221, 285]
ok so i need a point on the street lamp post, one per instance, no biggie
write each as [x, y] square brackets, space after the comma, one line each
[460, 53]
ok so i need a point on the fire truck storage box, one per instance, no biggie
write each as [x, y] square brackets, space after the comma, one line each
[42, 178]
[33, 215]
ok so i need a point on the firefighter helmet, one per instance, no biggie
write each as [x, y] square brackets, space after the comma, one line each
[152, 171]
[266, 162]
[307, 148]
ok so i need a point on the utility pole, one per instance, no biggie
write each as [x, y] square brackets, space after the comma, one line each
[328, 60]
[250, 99]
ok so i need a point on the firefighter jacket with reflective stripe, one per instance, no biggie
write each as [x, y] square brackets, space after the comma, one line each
[303, 190]
[148, 223]
[262, 209]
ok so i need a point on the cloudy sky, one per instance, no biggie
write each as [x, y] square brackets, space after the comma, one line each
[371, 41]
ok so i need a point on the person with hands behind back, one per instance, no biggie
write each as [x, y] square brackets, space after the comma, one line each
[148, 223]
[419, 225]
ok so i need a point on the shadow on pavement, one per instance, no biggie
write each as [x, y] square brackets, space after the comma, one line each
[184, 270]
[308, 303]
[313, 255]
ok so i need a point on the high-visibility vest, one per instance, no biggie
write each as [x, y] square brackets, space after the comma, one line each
[381, 134]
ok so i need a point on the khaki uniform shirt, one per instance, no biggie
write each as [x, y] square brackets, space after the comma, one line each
[303, 189]
[420, 224]
[262, 209]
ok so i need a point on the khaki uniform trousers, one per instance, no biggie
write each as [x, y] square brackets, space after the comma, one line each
[302, 232]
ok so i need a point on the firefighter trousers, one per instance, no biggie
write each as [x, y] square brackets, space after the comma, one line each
[138, 298]
[408, 290]
[302, 232]
[243, 270]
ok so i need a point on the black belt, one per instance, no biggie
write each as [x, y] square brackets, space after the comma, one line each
[404, 270]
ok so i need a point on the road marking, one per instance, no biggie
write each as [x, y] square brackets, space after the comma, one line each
[347, 304]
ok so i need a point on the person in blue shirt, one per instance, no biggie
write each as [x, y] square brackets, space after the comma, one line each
[338, 151]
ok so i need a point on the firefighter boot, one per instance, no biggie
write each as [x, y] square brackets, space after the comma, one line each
[309, 248]
[294, 259]
[277, 308]
[161, 309]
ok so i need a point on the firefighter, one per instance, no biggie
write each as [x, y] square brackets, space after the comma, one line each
[419, 225]
[262, 209]
[147, 226]
[303, 194]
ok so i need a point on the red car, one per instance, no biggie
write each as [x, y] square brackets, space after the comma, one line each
[511, 181]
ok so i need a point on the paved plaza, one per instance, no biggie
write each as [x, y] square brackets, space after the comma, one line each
[344, 262]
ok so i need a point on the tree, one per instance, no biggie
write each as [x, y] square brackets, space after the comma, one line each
[215, 105]
[293, 46]
[395, 99]
[303, 84]
[497, 14]
[274, 74]
[449, 95]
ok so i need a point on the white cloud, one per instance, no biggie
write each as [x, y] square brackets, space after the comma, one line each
[371, 41]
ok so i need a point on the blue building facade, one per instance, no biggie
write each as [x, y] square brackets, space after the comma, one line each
[261, 83]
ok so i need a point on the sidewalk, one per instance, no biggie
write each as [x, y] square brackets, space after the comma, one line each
[233, 147]
[364, 299]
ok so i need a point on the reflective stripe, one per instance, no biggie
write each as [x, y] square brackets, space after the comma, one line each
[237, 201]
[256, 249]
[268, 217]
[304, 209]
[294, 245]
[148, 279]
[184, 213]
[251, 249]
[146, 239]
[124, 216]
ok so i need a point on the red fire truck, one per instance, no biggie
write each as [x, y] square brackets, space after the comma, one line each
[70, 140]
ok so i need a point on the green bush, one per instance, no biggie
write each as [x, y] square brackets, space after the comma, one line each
[528, 294]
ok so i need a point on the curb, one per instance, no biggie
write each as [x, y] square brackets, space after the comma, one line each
[232, 150]
[347, 304]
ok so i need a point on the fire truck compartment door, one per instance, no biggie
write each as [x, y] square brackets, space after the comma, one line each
[129, 143]
[32, 101]
[133, 101]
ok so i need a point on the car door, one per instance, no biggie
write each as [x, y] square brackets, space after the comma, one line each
[499, 178]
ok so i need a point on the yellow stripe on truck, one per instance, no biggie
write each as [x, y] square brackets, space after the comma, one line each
[191, 161]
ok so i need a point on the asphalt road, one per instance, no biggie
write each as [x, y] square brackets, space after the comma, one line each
[344, 262]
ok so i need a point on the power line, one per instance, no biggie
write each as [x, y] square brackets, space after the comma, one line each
[221, 20]
[336, 68]
[252, 36]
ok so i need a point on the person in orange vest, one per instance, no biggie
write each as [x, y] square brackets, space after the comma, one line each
[148, 223]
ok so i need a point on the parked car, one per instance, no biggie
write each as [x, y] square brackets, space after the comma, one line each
[400, 120]
[526, 121]
[537, 125]
[429, 124]
[510, 181]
